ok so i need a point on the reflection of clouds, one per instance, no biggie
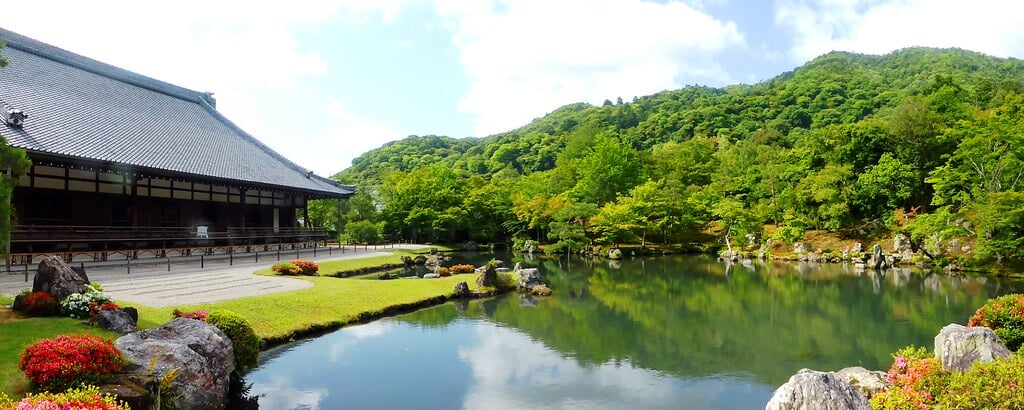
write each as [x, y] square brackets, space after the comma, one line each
[354, 335]
[511, 371]
[372, 329]
[280, 394]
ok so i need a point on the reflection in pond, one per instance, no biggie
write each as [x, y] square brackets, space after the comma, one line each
[665, 332]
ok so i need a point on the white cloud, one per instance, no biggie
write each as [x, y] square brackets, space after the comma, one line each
[281, 394]
[355, 335]
[527, 57]
[245, 52]
[513, 371]
[877, 27]
[330, 151]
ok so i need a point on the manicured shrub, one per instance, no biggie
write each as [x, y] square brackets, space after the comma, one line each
[917, 378]
[443, 272]
[997, 384]
[84, 398]
[286, 268]
[198, 314]
[78, 305]
[41, 304]
[95, 308]
[306, 267]
[244, 339]
[1005, 316]
[70, 361]
[462, 269]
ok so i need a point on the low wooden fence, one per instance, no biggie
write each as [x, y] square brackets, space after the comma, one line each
[167, 259]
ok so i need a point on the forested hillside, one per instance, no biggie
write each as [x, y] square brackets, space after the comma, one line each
[925, 141]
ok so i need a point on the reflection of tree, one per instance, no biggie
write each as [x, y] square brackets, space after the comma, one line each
[684, 316]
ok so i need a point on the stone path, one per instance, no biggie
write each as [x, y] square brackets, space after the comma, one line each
[191, 285]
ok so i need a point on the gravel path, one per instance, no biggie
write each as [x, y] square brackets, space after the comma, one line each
[190, 285]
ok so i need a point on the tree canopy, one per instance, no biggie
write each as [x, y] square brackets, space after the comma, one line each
[841, 141]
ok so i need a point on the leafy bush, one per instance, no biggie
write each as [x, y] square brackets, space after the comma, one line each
[79, 305]
[789, 233]
[84, 398]
[41, 304]
[198, 314]
[363, 231]
[306, 267]
[96, 307]
[443, 272]
[244, 339]
[1005, 316]
[70, 361]
[286, 268]
[462, 269]
[917, 378]
[994, 384]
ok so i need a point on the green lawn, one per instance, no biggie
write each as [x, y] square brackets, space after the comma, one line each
[16, 335]
[331, 302]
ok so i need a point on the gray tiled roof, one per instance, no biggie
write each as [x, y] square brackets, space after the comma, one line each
[82, 108]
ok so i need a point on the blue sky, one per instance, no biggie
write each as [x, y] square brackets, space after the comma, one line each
[324, 81]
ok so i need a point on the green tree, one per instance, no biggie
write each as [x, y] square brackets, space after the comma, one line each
[608, 170]
[886, 186]
[826, 197]
[569, 227]
[419, 204]
[364, 232]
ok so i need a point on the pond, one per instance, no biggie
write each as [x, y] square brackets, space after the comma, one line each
[657, 332]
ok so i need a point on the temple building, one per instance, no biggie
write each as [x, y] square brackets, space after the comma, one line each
[123, 163]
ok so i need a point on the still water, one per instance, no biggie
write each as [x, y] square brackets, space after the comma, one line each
[647, 333]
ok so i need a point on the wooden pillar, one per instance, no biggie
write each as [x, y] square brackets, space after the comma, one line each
[241, 203]
[337, 225]
[305, 211]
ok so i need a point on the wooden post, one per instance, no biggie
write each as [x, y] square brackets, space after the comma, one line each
[7, 222]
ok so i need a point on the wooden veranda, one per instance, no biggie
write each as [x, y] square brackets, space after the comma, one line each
[100, 243]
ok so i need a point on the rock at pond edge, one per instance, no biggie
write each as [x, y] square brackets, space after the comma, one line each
[811, 389]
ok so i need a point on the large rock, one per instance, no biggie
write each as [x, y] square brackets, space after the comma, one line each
[489, 277]
[867, 382]
[857, 247]
[801, 247]
[615, 253]
[57, 278]
[129, 392]
[959, 347]
[541, 290]
[528, 278]
[117, 321]
[878, 260]
[814, 390]
[900, 243]
[19, 303]
[461, 289]
[201, 354]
